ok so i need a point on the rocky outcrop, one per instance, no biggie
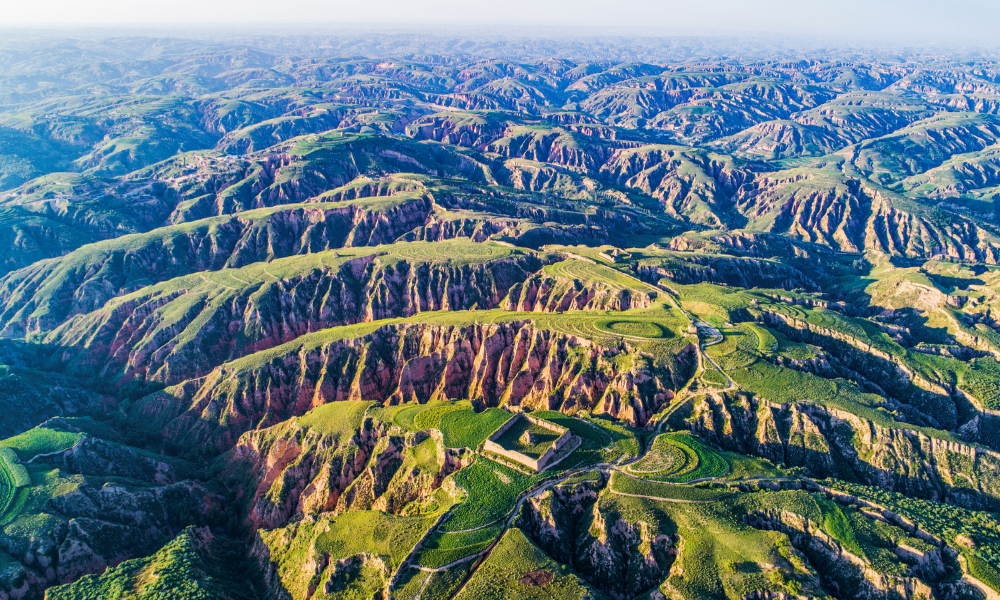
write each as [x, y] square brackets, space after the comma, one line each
[91, 526]
[514, 364]
[32, 397]
[310, 572]
[846, 574]
[690, 268]
[835, 443]
[186, 327]
[38, 298]
[689, 184]
[897, 232]
[543, 293]
[293, 470]
[621, 557]
[808, 206]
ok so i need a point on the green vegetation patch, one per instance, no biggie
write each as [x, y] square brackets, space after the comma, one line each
[187, 568]
[340, 419]
[724, 557]
[40, 440]
[359, 531]
[665, 458]
[13, 478]
[492, 490]
[443, 548]
[680, 458]
[944, 521]
[654, 490]
[836, 524]
[467, 429]
[519, 570]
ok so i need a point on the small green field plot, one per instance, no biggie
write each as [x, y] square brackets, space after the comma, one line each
[40, 440]
[836, 524]
[766, 340]
[666, 457]
[588, 273]
[519, 570]
[655, 490]
[360, 531]
[431, 585]
[516, 436]
[492, 490]
[712, 377]
[417, 417]
[723, 557]
[738, 348]
[794, 350]
[679, 457]
[467, 429]
[443, 547]
[340, 419]
[749, 467]
[13, 479]
[634, 328]
[713, 303]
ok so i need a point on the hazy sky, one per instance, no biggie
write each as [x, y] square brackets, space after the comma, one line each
[976, 21]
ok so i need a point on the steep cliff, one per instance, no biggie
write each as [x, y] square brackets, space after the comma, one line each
[512, 364]
[184, 327]
[834, 443]
[40, 297]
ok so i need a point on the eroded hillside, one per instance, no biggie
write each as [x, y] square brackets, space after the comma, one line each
[284, 325]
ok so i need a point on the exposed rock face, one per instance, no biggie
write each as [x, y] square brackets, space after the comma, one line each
[93, 526]
[40, 297]
[845, 214]
[896, 232]
[808, 207]
[922, 401]
[834, 443]
[619, 557]
[505, 364]
[689, 184]
[841, 571]
[32, 397]
[543, 293]
[312, 573]
[217, 564]
[189, 327]
[728, 270]
[291, 470]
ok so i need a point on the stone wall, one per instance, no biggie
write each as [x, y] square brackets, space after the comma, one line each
[542, 461]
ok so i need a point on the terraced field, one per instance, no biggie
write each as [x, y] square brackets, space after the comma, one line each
[13, 477]
[492, 490]
[679, 458]
[589, 273]
[653, 490]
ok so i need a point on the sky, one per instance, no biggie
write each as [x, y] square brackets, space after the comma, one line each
[972, 21]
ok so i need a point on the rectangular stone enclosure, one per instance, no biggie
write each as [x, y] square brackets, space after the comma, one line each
[528, 440]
